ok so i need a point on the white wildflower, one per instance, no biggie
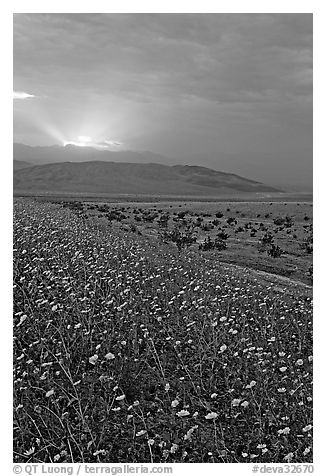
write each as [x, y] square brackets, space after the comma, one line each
[235, 402]
[307, 428]
[211, 416]
[121, 397]
[93, 359]
[183, 413]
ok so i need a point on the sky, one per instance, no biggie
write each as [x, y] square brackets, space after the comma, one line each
[227, 91]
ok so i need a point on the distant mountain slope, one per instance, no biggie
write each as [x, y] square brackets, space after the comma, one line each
[132, 178]
[212, 178]
[21, 164]
[41, 155]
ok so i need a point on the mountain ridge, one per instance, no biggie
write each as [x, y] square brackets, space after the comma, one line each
[40, 155]
[133, 178]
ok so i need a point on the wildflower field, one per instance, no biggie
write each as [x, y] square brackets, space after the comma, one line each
[128, 349]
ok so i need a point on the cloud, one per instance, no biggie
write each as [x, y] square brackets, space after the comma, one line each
[112, 143]
[103, 145]
[170, 57]
[106, 144]
[22, 95]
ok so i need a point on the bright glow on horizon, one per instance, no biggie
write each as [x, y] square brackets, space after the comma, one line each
[78, 143]
[84, 139]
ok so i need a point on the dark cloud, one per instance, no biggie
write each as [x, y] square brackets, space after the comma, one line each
[218, 57]
[182, 79]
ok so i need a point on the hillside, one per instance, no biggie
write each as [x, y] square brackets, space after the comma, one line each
[21, 164]
[132, 178]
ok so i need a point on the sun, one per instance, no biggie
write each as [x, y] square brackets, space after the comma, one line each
[82, 141]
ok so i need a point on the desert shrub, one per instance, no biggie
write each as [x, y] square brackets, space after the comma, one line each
[275, 251]
[279, 221]
[209, 244]
[163, 220]
[207, 227]
[222, 235]
[150, 217]
[182, 239]
[265, 242]
[288, 221]
[112, 215]
[231, 220]
[103, 208]
[307, 245]
[267, 238]
[220, 245]
[310, 273]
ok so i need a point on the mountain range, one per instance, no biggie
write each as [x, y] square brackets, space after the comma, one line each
[40, 155]
[87, 170]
